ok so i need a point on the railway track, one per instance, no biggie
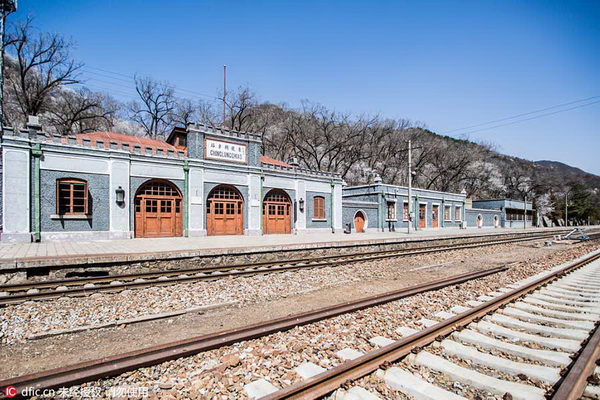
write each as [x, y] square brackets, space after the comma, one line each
[20, 292]
[328, 381]
[114, 365]
[538, 339]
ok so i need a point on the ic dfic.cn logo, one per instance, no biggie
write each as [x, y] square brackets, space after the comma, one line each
[10, 391]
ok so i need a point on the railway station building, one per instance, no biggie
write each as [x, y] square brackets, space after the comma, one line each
[499, 213]
[201, 181]
[383, 207]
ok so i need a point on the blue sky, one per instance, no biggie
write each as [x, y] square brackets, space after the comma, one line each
[448, 64]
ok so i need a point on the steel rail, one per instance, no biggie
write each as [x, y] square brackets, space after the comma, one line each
[114, 365]
[230, 270]
[330, 380]
[572, 385]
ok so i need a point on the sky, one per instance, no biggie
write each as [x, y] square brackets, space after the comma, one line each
[454, 66]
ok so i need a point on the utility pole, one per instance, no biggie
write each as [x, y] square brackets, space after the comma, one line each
[525, 213]
[224, 93]
[409, 186]
[567, 209]
[6, 7]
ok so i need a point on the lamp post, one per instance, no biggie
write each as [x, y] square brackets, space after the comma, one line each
[525, 212]
[409, 185]
[6, 7]
[567, 209]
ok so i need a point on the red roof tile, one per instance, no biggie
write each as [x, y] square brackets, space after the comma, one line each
[269, 160]
[122, 138]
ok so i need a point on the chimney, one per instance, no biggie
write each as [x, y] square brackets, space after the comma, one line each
[378, 179]
[33, 126]
[33, 122]
[294, 162]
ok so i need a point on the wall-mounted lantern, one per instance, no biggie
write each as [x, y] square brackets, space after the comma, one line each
[120, 195]
[301, 204]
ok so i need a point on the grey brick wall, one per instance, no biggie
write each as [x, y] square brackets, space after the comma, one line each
[98, 187]
[310, 212]
[371, 213]
[487, 215]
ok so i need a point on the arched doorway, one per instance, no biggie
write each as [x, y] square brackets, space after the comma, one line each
[479, 221]
[158, 210]
[225, 211]
[277, 212]
[359, 222]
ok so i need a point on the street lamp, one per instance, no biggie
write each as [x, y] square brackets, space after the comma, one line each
[6, 7]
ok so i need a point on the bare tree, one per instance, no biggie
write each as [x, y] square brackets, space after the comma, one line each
[517, 179]
[38, 64]
[81, 111]
[238, 106]
[322, 139]
[184, 112]
[154, 111]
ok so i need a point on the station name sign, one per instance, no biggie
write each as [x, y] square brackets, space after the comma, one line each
[225, 151]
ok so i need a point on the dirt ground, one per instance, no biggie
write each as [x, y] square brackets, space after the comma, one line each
[53, 352]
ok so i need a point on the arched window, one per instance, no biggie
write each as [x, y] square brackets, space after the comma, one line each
[319, 207]
[72, 197]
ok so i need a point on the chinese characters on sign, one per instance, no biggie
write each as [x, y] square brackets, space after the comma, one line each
[225, 151]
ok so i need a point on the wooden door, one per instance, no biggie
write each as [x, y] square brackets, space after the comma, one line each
[225, 212]
[359, 222]
[435, 216]
[166, 217]
[422, 215]
[158, 210]
[277, 212]
[150, 222]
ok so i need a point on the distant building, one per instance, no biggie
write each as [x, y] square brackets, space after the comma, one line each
[380, 206]
[499, 213]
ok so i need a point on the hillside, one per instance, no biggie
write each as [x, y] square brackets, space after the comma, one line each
[571, 173]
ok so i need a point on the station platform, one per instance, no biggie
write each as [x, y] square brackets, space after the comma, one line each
[22, 255]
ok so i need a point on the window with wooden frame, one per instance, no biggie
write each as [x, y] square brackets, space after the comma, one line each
[458, 213]
[72, 197]
[405, 212]
[447, 213]
[319, 207]
[391, 211]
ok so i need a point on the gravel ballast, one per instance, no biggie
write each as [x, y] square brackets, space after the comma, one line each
[222, 373]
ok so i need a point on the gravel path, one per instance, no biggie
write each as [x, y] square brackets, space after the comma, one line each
[222, 373]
